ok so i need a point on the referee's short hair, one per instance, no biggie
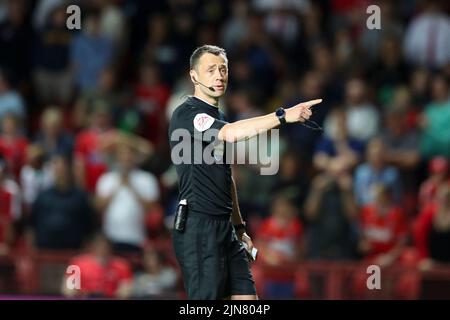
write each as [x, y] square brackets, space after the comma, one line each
[207, 48]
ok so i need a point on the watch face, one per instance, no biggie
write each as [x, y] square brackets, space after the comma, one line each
[280, 112]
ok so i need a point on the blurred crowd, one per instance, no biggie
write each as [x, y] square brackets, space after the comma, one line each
[84, 156]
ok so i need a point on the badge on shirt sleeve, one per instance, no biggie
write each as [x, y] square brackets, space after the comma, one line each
[203, 121]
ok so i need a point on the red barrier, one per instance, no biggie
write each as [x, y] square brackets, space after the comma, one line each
[41, 273]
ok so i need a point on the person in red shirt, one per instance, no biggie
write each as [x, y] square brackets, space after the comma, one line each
[9, 209]
[384, 228]
[279, 236]
[152, 96]
[90, 154]
[438, 170]
[102, 275]
[13, 144]
[433, 217]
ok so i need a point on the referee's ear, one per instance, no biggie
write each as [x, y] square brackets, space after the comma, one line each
[193, 75]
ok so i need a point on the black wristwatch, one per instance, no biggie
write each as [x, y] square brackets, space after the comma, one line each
[239, 226]
[281, 114]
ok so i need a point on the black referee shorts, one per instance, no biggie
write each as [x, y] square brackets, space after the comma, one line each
[212, 259]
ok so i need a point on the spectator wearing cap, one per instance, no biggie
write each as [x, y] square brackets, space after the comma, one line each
[438, 176]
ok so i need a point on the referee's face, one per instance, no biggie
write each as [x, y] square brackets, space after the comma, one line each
[211, 71]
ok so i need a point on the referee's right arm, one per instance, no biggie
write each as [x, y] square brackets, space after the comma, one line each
[245, 129]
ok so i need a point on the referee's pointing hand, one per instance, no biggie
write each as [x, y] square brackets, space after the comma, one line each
[301, 111]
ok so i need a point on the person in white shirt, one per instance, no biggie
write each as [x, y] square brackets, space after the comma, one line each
[427, 38]
[124, 196]
[363, 119]
[35, 176]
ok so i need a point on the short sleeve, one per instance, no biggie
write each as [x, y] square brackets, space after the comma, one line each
[148, 187]
[105, 185]
[202, 124]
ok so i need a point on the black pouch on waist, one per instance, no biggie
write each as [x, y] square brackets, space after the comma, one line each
[179, 223]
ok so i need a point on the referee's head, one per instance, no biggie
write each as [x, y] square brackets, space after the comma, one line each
[209, 70]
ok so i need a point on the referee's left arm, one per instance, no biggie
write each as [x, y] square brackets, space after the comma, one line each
[236, 217]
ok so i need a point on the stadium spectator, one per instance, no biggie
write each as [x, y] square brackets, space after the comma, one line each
[112, 23]
[363, 119]
[336, 151]
[431, 228]
[151, 99]
[435, 135]
[105, 92]
[62, 217]
[53, 79]
[15, 42]
[11, 102]
[280, 236]
[389, 70]
[102, 275]
[124, 197]
[160, 48]
[157, 279]
[401, 150]
[53, 137]
[10, 209]
[36, 175]
[383, 228]
[13, 144]
[91, 155]
[438, 176]
[95, 45]
[401, 143]
[427, 37]
[331, 214]
[291, 182]
[376, 170]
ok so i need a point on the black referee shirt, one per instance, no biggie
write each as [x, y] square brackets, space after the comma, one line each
[204, 183]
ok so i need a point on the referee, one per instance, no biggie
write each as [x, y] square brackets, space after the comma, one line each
[209, 245]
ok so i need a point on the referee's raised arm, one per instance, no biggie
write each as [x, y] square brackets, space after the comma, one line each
[245, 129]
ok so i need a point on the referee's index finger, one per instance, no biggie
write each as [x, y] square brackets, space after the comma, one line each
[311, 103]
